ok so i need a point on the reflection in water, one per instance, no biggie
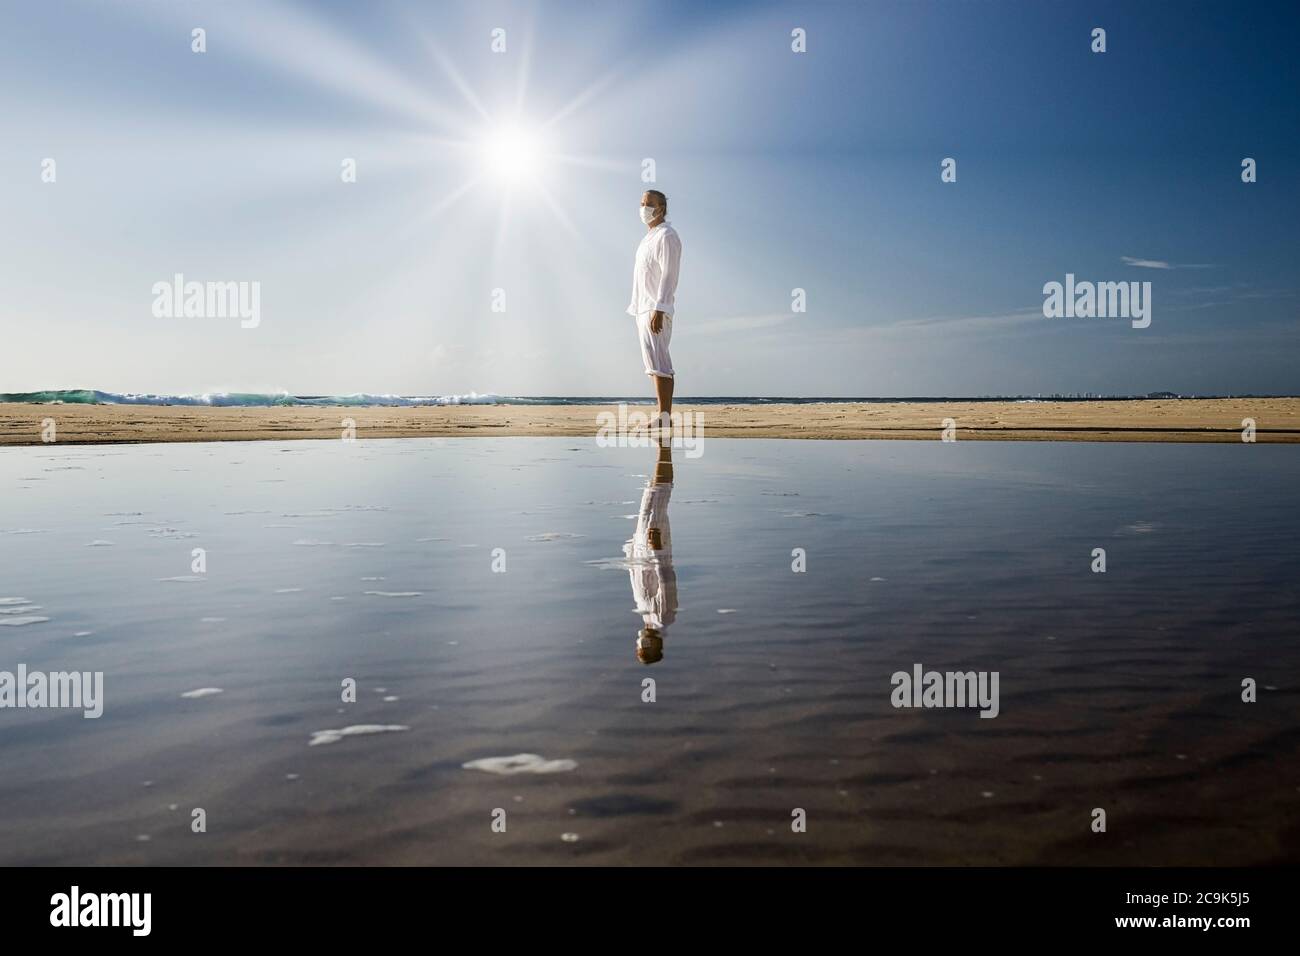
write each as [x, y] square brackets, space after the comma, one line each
[650, 561]
[1125, 684]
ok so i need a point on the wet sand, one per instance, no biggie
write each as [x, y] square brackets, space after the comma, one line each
[1183, 420]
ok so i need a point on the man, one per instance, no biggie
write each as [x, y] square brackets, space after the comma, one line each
[650, 562]
[654, 285]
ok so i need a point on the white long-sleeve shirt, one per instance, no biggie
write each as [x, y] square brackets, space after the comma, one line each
[654, 276]
[654, 582]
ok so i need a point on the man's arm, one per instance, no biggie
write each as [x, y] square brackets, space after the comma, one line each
[669, 255]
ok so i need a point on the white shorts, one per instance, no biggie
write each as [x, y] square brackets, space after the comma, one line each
[654, 345]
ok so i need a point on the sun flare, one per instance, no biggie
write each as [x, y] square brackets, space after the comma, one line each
[514, 154]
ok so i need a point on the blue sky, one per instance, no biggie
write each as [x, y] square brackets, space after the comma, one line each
[817, 171]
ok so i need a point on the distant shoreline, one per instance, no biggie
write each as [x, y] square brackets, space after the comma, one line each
[1142, 420]
[88, 396]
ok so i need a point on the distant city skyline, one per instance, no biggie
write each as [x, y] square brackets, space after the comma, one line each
[498, 151]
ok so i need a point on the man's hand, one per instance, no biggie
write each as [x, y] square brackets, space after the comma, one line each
[657, 322]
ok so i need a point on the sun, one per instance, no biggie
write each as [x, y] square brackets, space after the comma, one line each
[514, 153]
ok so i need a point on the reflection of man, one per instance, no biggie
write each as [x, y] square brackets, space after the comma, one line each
[650, 556]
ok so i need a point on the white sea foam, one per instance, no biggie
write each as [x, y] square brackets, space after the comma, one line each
[395, 593]
[520, 763]
[319, 737]
[202, 692]
[20, 621]
[1138, 527]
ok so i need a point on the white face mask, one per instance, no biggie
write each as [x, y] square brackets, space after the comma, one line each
[648, 214]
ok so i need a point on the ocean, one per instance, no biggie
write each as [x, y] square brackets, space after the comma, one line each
[85, 396]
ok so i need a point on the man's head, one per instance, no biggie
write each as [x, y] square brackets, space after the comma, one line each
[649, 646]
[655, 206]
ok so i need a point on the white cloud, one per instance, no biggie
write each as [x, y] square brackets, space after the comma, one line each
[1161, 264]
[967, 323]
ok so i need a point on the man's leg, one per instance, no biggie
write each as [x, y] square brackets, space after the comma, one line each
[664, 465]
[664, 396]
[654, 352]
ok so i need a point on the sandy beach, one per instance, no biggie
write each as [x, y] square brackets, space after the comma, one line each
[1182, 420]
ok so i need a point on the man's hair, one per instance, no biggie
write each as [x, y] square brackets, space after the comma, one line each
[660, 198]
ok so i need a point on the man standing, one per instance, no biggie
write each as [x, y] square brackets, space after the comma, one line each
[654, 285]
